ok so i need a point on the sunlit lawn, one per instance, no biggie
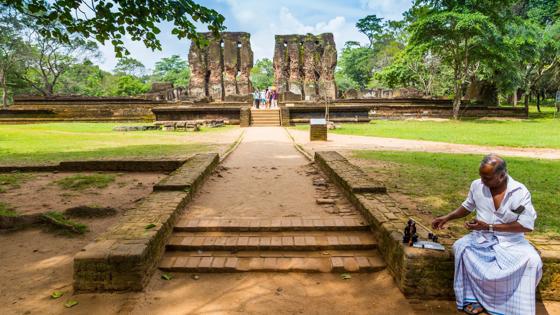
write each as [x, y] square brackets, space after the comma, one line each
[54, 142]
[440, 182]
[539, 131]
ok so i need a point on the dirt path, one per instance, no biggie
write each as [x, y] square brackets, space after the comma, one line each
[347, 142]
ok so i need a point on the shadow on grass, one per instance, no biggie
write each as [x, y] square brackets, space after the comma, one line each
[152, 151]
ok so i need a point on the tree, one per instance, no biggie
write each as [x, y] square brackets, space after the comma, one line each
[462, 34]
[12, 49]
[172, 69]
[130, 66]
[50, 59]
[86, 78]
[262, 74]
[420, 69]
[371, 26]
[356, 63]
[113, 20]
[129, 86]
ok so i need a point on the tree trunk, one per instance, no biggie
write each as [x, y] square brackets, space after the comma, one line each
[457, 100]
[514, 97]
[4, 91]
[539, 101]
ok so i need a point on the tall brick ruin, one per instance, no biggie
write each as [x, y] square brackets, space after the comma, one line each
[220, 71]
[304, 66]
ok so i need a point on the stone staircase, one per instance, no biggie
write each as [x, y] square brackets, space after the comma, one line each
[305, 244]
[265, 117]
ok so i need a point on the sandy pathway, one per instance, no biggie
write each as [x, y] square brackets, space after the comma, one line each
[264, 177]
[347, 142]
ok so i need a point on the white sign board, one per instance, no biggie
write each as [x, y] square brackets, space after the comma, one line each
[318, 121]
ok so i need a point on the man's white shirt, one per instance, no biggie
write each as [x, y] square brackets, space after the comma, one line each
[516, 195]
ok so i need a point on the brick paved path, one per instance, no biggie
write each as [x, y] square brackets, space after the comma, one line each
[259, 212]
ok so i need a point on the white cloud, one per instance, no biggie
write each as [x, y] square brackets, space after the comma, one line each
[266, 18]
[387, 9]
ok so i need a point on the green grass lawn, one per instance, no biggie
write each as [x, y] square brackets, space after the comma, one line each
[54, 142]
[440, 182]
[539, 131]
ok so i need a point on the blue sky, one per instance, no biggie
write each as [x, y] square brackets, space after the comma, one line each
[266, 18]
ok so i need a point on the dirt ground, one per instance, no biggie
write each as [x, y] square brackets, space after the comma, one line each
[39, 192]
[36, 261]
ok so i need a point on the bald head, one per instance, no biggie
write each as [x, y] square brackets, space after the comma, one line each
[498, 165]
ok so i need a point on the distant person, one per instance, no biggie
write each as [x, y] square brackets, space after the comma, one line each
[496, 269]
[256, 98]
[263, 97]
[269, 97]
[274, 98]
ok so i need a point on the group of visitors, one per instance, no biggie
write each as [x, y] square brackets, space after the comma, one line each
[265, 99]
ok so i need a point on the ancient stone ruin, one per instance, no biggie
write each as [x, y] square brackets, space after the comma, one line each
[220, 71]
[304, 66]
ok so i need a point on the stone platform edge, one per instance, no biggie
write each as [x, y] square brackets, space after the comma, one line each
[124, 165]
[125, 257]
[421, 274]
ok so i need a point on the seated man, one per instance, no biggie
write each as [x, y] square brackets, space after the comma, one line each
[496, 268]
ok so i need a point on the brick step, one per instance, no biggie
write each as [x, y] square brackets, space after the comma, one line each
[369, 261]
[292, 241]
[248, 224]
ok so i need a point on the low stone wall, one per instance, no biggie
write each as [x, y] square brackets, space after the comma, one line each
[396, 109]
[419, 273]
[84, 109]
[231, 114]
[101, 165]
[125, 257]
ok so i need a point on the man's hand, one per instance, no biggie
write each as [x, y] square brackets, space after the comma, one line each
[438, 222]
[476, 225]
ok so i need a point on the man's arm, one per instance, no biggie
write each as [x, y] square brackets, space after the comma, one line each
[460, 212]
[513, 227]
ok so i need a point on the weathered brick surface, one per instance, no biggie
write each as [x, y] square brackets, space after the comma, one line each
[190, 174]
[347, 175]
[126, 255]
[420, 273]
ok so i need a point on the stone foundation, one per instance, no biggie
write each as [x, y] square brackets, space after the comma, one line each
[101, 166]
[125, 257]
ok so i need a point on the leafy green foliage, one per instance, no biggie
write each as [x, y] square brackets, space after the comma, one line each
[128, 85]
[81, 182]
[113, 20]
[262, 74]
[356, 63]
[172, 69]
[130, 66]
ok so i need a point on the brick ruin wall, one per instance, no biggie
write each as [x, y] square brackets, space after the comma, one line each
[304, 66]
[220, 71]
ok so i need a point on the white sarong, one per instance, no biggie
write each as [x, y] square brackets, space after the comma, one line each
[501, 277]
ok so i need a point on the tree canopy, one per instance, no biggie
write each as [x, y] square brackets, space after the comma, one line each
[113, 20]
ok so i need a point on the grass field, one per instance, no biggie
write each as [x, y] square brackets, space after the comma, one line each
[54, 142]
[539, 131]
[440, 182]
